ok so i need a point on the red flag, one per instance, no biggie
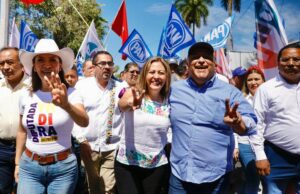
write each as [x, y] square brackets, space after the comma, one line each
[120, 26]
[32, 1]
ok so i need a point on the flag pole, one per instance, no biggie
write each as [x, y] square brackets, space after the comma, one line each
[111, 24]
[78, 12]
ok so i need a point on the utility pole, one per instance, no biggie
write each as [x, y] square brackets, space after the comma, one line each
[4, 19]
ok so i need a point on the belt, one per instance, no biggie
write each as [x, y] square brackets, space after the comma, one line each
[8, 142]
[48, 159]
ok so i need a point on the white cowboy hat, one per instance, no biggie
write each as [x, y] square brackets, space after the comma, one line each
[47, 46]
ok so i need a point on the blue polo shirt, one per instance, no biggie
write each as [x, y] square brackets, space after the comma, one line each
[202, 144]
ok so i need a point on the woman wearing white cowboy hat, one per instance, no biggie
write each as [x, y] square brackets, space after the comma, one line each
[44, 160]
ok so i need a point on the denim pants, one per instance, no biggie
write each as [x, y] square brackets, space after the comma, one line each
[220, 186]
[247, 158]
[285, 167]
[60, 177]
[7, 168]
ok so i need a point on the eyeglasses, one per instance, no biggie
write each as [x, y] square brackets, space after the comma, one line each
[134, 71]
[103, 63]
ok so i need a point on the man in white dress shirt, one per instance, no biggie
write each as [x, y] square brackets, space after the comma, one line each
[13, 84]
[99, 139]
[277, 106]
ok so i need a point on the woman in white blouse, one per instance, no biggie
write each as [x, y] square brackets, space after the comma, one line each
[141, 161]
[254, 78]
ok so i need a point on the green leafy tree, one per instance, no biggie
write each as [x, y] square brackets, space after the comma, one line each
[59, 20]
[229, 4]
[194, 11]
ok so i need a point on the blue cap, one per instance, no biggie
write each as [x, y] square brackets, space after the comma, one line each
[239, 71]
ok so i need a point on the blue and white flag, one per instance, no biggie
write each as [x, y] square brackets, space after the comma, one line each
[217, 37]
[14, 37]
[28, 39]
[79, 62]
[177, 35]
[136, 49]
[161, 44]
[90, 44]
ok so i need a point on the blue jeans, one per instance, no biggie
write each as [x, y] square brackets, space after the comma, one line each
[7, 168]
[220, 186]
[285, 168]
[247, 158]
[60, 177]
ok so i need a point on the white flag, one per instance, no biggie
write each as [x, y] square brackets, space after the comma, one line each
[90, 44]
[14, 37]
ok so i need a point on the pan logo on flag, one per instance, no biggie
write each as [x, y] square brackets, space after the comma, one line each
[218, 36]
[91, 50]
[175, 34]
[137, 50]
[29, 41]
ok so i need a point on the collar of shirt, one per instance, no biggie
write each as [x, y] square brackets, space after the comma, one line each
[25, 82]
[281, 81]
[206, 85]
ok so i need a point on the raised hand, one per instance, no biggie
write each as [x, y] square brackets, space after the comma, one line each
[233, 118]
[58, 90]
[136, 100]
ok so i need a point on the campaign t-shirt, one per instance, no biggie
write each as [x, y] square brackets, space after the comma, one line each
[48, 126]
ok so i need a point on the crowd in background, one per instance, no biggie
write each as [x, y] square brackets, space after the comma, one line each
[172, 126]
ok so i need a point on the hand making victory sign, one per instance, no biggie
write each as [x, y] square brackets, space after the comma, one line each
[58, 90]
[137, 98]
[233, 118]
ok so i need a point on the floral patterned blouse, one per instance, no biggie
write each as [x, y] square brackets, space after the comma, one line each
[145, 135]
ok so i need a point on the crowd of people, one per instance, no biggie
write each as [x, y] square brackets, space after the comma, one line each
[166, 127]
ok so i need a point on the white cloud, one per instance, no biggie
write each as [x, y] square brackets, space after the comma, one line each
[159, 8]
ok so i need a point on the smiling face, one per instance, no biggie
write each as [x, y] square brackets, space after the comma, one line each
[253, 81]
[11, 67]
[44, 64]
[131, 76]
[201, 69]
[156, 77]
[289, 65]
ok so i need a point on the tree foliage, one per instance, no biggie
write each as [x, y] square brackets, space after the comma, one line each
[57, 19]
[229, 4]
[193, 11]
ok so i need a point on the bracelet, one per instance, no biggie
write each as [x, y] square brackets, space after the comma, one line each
[122, 92]
[16, 164]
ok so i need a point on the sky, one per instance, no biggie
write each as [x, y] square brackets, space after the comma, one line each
[149, 17]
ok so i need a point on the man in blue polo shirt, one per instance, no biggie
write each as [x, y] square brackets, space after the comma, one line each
[205, 112]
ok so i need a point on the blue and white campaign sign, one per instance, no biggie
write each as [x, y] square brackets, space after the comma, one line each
[176, 35]
[217, 37]
[28, 39]
[136, 49]
[90, 44]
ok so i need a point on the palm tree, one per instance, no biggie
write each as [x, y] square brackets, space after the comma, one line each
[193, 10]
[229, 4]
